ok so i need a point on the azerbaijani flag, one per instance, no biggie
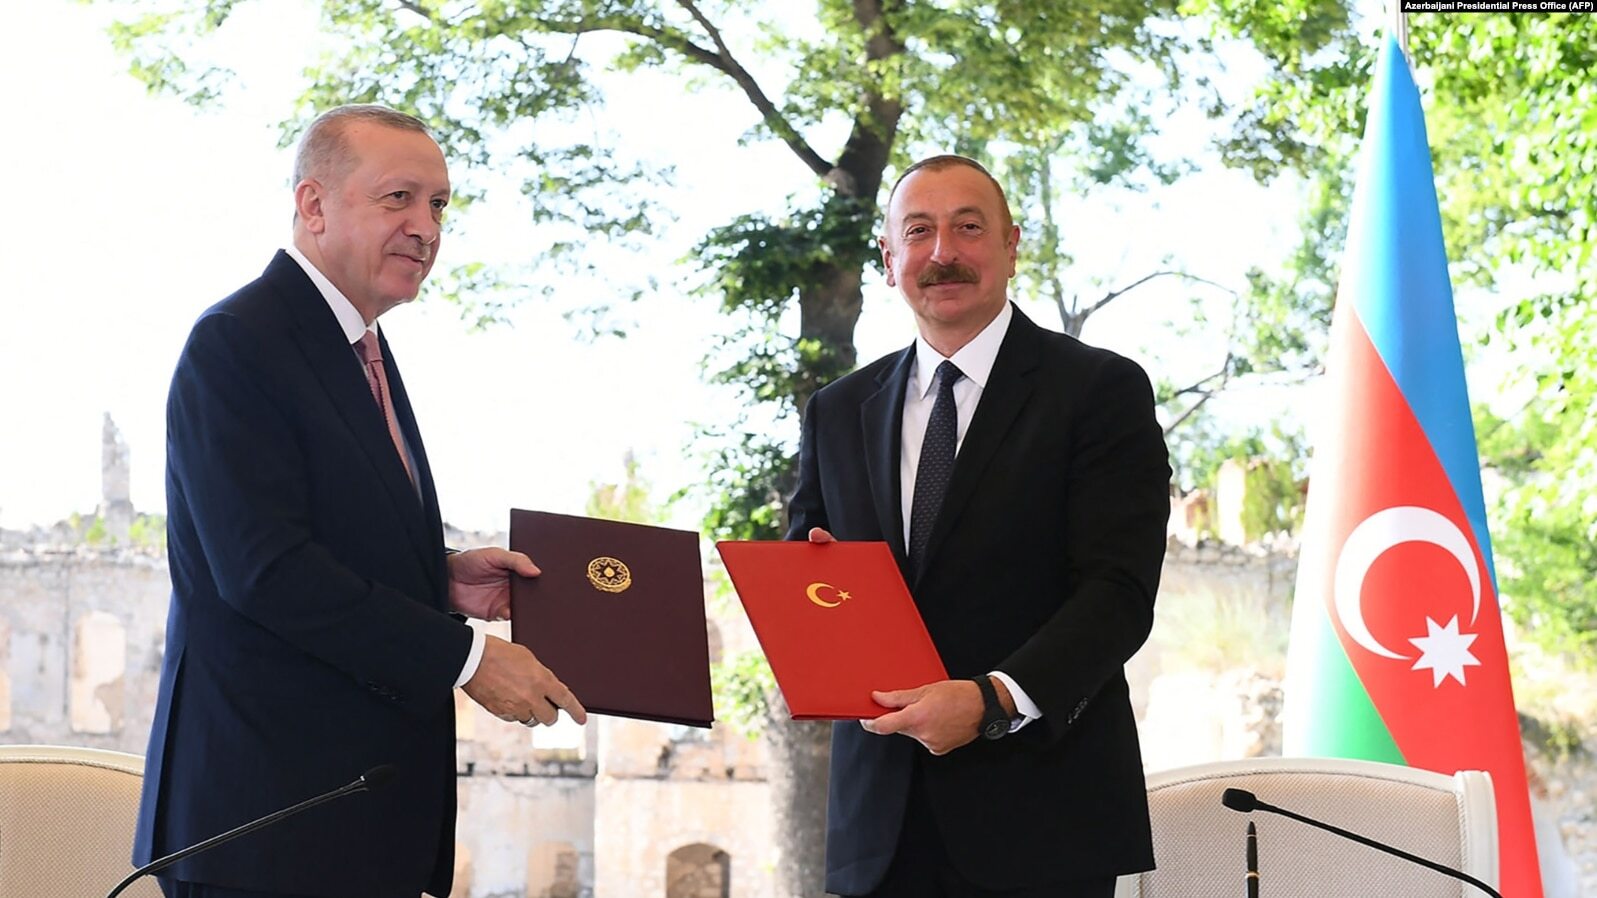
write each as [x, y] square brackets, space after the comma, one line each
[1397, 650]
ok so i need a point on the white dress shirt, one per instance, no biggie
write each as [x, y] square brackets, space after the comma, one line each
[355, 327]
[975, 360]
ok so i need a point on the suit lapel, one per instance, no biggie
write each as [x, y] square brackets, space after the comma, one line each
[881, 419]
[335, 365]
[1008, 388]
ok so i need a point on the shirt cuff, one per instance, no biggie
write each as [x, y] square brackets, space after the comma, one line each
[1024, 706]
[474, 657]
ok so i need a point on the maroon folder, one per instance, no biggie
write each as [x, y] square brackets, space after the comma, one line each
[836, 622]
[617, 614]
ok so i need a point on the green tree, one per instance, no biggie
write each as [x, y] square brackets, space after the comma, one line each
[1513, 132]
[1268, 330]
[630, 500]
[1517, 148]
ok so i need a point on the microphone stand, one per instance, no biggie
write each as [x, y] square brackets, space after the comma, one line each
[1246, 801]
[1253, 860]
[371, 779]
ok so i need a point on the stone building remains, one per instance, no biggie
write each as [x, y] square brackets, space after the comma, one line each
[630, 809]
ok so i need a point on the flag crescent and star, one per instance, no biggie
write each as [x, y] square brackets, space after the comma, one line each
[813, 591]
[1443, 649]
[1397, 649]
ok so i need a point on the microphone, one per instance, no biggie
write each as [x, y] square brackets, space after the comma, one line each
[1245, 801]
[375, 778]
[1253, 860]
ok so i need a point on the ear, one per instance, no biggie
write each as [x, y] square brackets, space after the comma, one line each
[1012, 245]
[887, 260]
[308, 199]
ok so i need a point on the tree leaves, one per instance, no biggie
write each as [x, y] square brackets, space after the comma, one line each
[1509, 112]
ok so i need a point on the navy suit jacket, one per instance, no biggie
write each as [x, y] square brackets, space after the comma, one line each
[308, 639]
[1043, 563]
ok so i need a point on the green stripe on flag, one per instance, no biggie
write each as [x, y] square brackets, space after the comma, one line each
[1328, 711]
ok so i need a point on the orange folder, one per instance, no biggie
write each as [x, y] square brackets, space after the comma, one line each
[836, 622]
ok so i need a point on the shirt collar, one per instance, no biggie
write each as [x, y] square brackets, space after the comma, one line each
[975, 359]
[348, 316]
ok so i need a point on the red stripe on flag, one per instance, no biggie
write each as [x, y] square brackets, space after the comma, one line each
[1396, 533]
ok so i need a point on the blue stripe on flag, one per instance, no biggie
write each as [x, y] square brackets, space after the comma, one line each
[1395, 270]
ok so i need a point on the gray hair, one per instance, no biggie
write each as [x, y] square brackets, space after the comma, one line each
[949, 160]
[324, 153]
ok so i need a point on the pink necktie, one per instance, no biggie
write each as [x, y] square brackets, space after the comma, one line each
[372, 356]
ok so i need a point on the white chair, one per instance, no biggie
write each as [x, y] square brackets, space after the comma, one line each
[66, 821]
[1199, 845]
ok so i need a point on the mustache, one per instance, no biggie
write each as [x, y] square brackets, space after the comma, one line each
[417, 250]
[952, 273]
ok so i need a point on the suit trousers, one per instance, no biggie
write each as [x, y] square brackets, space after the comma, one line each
[921, 868]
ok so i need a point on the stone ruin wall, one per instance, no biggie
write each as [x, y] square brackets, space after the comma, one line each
[621, 808]
[626, 808]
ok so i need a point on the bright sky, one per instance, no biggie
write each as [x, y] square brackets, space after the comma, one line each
[131, 214]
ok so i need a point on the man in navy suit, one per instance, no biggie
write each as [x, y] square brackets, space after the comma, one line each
[1022, 481]
[316, 627]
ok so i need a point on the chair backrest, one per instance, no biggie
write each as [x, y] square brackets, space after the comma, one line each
[66, 821]
[1199, 845]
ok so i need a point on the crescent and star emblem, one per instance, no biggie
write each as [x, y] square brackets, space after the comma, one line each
[1444, 651]
[814, 593]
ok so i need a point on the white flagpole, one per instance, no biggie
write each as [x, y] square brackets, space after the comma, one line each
[1399, 25]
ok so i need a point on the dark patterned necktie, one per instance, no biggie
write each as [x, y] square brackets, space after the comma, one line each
[936, 465]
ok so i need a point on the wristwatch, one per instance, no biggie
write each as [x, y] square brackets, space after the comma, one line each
[994, 719]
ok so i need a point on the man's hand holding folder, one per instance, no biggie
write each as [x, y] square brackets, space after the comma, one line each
[843, 636]
[941, 716]
[618, 612]
[503, 686]
[508, 680]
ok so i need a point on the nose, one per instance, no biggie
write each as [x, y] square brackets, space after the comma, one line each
[421, 225]
[944, 249]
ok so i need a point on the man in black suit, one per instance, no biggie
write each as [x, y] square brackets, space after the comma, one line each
[1022, 480]
[310, 635]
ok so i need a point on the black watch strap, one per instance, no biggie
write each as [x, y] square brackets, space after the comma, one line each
[994, 719]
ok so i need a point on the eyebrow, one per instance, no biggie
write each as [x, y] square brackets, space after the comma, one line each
[962, 210]
[390, 184]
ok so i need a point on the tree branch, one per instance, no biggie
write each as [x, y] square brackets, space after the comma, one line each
[1074, 321]
[1223, 375]
[415, 8]
[768, 112]
[1204, 393]
[1191, 410]
[671, 40]
[858, 173]
[720, 59]
[1053, 286]
[1113, 295]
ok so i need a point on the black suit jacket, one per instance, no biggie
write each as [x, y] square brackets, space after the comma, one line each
[307, 639]
[1043, 563]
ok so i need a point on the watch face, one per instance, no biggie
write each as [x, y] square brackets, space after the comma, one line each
[995, 729]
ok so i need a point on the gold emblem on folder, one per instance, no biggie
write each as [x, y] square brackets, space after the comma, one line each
[609, 574]
[814, 593]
